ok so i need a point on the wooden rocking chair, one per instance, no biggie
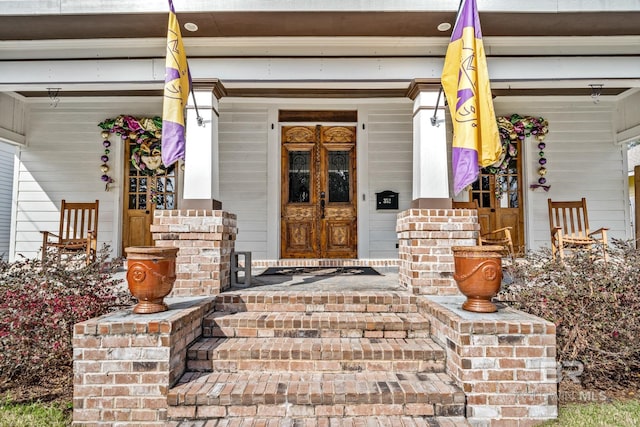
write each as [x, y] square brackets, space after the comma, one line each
[78, 231]
[569, 224]
[499, 237]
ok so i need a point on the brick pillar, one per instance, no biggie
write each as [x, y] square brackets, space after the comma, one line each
[425, 240]
[206, 239]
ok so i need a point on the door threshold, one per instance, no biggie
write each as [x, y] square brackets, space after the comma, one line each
[326, 262]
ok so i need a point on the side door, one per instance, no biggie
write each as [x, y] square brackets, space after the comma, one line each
[499, 200]
[145, 191]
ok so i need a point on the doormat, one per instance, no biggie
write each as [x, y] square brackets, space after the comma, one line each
[320, 271]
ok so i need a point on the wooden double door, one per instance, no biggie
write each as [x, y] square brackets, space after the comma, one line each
[318, 193]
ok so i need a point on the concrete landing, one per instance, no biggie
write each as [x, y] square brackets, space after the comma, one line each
[387, 280]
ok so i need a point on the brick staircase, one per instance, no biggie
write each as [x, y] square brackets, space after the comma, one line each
[315, 359]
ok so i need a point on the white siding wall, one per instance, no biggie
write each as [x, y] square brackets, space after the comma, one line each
[243, 134]
[583, 161]
[61, 161]
[7, 153]
[390, 152]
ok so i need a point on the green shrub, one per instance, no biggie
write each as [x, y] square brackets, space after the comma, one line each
[595, 305]
[40, 303]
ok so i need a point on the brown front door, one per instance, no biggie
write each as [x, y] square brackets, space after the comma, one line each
[144, 192]
[506, 210]
[319, 215]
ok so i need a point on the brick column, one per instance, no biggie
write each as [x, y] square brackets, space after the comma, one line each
[206, 239]
[505, 362]
[425, 240]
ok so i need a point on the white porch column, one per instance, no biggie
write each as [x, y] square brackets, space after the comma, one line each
[201, 166]
[431, 189]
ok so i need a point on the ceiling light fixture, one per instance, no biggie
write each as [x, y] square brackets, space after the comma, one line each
[190, 26]
[596, 91]
[444, 26]
[53, 96]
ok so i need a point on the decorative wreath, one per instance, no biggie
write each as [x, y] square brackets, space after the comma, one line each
[145, 133]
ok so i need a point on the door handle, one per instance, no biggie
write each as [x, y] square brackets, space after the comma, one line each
[322, 208]
[147, 212]
[493, 210]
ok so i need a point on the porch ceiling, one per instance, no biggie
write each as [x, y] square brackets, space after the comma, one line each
[314, 24]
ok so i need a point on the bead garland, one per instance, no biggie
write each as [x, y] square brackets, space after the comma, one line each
[542, 170]
[104, 158]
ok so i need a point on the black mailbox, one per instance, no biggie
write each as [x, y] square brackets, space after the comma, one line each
[387, 200]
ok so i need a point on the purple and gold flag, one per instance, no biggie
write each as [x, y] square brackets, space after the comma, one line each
[465, 80]
[177, 85]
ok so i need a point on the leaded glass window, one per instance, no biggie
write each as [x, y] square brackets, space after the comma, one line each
[339, 182]
[299, 176]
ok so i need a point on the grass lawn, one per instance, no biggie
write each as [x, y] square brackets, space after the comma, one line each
[615, 414]
[33, 415]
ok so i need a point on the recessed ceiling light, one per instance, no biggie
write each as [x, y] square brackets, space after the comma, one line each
[190, 26]
[444, 26]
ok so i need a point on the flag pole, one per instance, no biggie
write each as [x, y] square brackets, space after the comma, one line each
[199, 118]
[434, 119]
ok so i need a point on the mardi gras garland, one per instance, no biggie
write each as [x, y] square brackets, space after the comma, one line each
[513, 129]
[146, 150]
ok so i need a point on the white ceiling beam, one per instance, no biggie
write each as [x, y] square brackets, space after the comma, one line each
[313, 46]
[505, 72]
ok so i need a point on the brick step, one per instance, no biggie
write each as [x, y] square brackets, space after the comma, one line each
[339, 421]
[315, 325]
[282, 394]
[380, 301]
[315, 354]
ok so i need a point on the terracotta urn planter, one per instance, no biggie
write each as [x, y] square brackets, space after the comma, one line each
[151, 272]
[478, 273]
